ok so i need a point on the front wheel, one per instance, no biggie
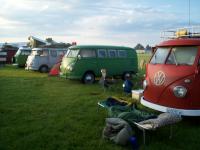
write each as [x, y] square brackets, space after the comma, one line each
[88, 78]
[43, 69]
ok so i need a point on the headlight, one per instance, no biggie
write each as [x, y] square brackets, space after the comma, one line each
[123, 85]
[70, 68]
[180, 91]
[144, 84]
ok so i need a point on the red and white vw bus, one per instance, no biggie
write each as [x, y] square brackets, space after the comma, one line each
[172, 82]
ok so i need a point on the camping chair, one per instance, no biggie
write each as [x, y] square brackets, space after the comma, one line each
[162, 120]
[111, 101]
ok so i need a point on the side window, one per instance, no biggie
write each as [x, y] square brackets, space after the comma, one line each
[60, 53]
[23, 52]
[112, 53]
[102, 53]
[53, 53]
[122, 53]
[43, 53]
[87, 53]
[26, 52]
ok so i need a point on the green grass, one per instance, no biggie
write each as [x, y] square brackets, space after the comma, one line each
[41, 112]
[145, 58]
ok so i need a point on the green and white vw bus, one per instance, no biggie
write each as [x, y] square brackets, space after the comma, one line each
[86, 61]
[21, 56]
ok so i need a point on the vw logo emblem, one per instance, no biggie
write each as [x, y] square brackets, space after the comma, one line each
[159, 78]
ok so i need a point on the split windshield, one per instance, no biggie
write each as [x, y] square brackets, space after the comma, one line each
[175, 55]
[18, 52]
[72, 53]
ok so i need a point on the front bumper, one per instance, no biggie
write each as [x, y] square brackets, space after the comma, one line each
[182, 112]
[69, 75]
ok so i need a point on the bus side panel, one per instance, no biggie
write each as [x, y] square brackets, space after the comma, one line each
[21, 60]
[112, 66]
[196, 83]
[52, 60]
[133, 61]
[43, 60]
[83, 65]
[129, 63]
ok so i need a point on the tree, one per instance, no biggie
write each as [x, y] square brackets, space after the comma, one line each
[139, 47]
[148, 48]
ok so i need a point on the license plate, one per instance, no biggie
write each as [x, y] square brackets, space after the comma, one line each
[174, 111]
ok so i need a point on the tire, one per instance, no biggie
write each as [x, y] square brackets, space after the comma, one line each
[44, 69]
[88, 78]
[126, 74]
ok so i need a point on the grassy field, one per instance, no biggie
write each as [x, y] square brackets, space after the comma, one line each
[142, 60]
[41, 112]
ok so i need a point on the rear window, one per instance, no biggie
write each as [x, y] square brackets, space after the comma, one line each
[102, 53]
[112, 53]
[122, 53]
[87, 53]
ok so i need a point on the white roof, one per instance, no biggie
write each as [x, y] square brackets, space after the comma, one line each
[37, 39]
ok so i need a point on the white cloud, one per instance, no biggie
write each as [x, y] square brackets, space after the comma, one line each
[9, 24]
[86, 21]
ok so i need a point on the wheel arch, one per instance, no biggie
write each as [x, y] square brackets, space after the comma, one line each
[44, 65]
[88, 71]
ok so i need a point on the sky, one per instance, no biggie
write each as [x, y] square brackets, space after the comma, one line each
[108, 22]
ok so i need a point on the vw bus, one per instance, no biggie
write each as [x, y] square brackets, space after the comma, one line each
[2, 58]
[21, 56]
[42, 59]
[172, 82]
[10, 52]
[85, 62]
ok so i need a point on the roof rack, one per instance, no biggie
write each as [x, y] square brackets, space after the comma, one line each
[185, 32]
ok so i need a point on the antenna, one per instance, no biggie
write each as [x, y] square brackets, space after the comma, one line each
[189, 13]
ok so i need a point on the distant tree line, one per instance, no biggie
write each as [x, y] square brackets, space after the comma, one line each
[141, 47]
